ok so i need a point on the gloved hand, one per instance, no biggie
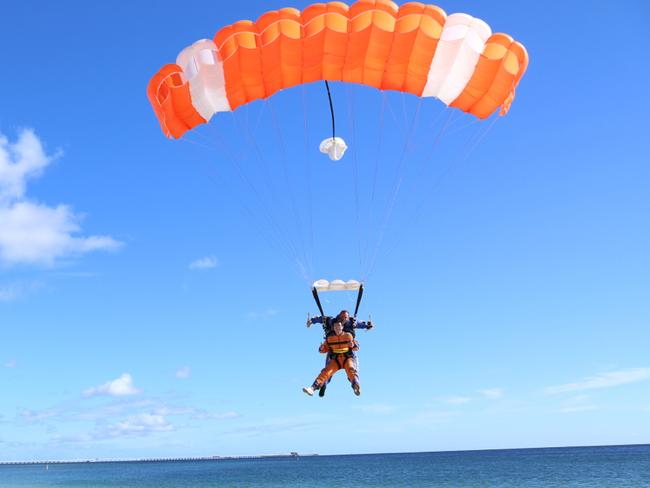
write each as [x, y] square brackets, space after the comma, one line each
[309, 322]
[370, 326]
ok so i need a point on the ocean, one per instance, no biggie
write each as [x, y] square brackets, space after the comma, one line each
[597, 467]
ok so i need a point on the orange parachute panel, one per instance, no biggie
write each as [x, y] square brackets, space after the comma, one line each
[324, 41]
[372, 42]
[415, 39]
[501, 66]
[169, 95]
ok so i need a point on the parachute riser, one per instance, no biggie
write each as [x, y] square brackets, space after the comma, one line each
[314, 292]
[359, 296]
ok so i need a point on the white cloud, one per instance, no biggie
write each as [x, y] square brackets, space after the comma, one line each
[492, 393]
[183, 373]
[30, 232]
[121, 386]
[36, 234]
[10, 364]
[205, 263]
[603, 380]
[20, 161]
[141, 424]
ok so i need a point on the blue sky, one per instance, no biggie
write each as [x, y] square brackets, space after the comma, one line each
[148, 306]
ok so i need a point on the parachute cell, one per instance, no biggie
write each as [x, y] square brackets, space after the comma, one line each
[414, 48]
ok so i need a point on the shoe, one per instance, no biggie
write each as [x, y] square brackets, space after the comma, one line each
[357, 389]
[321, 392]
[309, 390]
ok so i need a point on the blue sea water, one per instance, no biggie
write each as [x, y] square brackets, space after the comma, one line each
[610, 466]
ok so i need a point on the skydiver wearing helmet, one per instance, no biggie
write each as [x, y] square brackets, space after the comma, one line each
[349, 325]
[339, 347]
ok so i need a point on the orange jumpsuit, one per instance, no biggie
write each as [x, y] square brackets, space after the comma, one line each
[339, 348]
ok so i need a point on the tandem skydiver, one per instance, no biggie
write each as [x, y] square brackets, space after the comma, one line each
[339, 347]
[349, 323]
[349, 326]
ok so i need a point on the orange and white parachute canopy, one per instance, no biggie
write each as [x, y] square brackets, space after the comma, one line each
[414, 48]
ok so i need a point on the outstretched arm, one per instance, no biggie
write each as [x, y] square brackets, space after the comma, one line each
[363, 325]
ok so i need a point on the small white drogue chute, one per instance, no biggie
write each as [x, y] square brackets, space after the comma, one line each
[334, 147]
[337, 285]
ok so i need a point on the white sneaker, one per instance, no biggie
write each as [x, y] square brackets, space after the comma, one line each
[309, 390]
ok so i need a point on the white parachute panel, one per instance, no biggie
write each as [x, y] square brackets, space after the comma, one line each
[336, 285]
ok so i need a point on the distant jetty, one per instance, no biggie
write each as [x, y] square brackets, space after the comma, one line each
[158, 460]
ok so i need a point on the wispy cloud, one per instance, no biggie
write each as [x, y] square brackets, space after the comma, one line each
[492, 393]
[198, 414]
[10, 364]
[183, 373]
[603, 380]
[77, 274]
[376, 408]
[577, 408]
[118, 417]
[141, 424]
[578, 403]
[430, 417]
[270, 428]
[15, 291]
[30, 232]
[119, 406]
[206, 262]
[266, 314]
[456, 400]
[121, 386]
[39, 415]
[9, 293]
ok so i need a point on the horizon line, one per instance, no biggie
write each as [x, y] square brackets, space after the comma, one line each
[294, 454]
